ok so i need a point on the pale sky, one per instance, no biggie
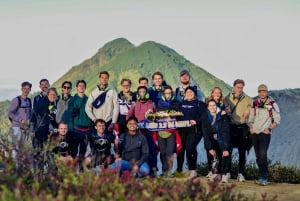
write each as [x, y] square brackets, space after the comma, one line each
[255, 40]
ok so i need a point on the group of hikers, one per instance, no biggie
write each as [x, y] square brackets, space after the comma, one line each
[108, 129]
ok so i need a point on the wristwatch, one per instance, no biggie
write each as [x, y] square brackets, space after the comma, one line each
[270, 129]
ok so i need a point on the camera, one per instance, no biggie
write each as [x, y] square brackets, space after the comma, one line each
[261, 105]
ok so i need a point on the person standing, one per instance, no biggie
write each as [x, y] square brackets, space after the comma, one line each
[217, 96]
[216, 134]
[185, 81]
[62, 103]
[44, 86]
[264, 118]
[126, 99]
[167, 138]
[43, 119]
[143, 81]
[237, 106]
[78, 121]
[192, 109]
[102, 102]
[157, 88]
[19, 113]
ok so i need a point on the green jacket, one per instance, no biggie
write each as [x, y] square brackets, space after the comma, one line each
[76, 112]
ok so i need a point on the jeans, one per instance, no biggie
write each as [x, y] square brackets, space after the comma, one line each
[261, 144]
[124, 165]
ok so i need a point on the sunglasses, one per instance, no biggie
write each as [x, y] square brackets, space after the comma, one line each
[65, 87]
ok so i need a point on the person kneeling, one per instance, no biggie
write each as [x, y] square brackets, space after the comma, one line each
[62, 143]
[132, 151]
[100, 143]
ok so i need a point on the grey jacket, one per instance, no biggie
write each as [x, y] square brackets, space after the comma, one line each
[260, 117]
[108, 111]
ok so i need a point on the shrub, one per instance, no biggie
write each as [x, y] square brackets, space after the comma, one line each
[277, 172]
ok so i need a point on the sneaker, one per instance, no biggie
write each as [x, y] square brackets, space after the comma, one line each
[14, 154]
[225, 178]
[214, 177]
[240, 177]
[262, 182]
[193, 174]
[228, 175]
[209, 174]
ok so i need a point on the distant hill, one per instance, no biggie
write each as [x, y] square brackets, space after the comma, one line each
[123, 60]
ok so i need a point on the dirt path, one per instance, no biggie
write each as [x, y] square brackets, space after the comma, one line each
[283, 191]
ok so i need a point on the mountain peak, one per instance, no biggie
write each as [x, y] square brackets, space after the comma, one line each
[118, 42]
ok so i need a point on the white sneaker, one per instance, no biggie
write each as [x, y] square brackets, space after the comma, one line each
[240, 177]
[228, 175]
[214, 177]
[14, 154]
[225, 178]
[209, 174]
[193, 174]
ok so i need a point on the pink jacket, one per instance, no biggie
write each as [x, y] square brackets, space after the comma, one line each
[139, 109]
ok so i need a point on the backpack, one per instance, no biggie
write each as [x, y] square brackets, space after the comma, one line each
[20, 106]
[268, 106]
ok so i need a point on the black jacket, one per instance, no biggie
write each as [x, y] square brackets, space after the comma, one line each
[221, 128]
[133, 147]
[63, 147]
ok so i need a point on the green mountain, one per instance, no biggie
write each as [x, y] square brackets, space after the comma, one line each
[123, 60]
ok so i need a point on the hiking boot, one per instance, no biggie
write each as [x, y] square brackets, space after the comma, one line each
[214, 177]
[193, 174]
[225, 178]
[261, 182]
[240, 177]
[209, 174]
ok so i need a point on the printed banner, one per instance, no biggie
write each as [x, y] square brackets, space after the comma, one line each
[163, 120]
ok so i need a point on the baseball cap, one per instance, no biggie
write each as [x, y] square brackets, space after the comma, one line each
[184, 72]
[262, 87]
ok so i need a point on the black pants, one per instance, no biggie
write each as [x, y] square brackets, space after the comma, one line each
[167, 149]
[80, 140]
[190, 139]
[224, 162]
[41, 136]
[237, 141]
[261, 144]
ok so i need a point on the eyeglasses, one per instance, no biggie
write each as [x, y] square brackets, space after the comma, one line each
[66, 87]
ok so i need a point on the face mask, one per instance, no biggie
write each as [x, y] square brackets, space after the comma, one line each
[142, 95]
[168, 97]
